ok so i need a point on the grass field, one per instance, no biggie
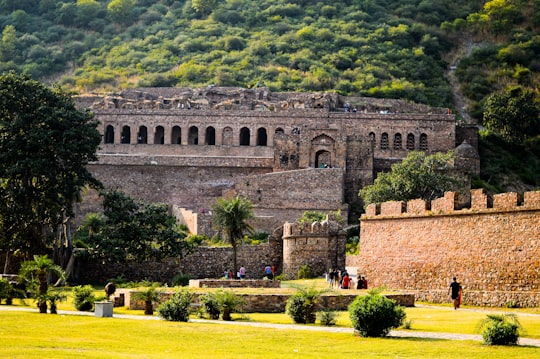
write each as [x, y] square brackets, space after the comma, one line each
[34, 335]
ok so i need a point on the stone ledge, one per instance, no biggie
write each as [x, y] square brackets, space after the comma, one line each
[268, 303]
[228, 283]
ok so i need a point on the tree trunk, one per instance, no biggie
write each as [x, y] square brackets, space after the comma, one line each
[148, 308]
[235, 269]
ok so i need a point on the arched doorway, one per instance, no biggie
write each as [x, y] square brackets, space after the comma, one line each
[323, 159]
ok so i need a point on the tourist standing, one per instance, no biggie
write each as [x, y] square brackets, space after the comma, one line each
[242, 272]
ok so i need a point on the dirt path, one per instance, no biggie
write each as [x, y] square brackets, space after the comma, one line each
[393, 333]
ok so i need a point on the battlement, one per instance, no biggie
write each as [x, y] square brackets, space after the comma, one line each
[315, 229]
[449, 205]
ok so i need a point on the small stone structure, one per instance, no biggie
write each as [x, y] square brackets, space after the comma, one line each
[492, 247]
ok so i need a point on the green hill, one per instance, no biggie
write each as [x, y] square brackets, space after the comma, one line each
[378, 48]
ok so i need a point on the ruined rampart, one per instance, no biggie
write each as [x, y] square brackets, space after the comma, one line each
[492, 247]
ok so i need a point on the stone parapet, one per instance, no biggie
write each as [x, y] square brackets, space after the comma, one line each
[270, 303]
[231, 283]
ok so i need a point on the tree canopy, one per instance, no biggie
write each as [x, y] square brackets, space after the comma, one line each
[418, 176]
[513, 114]
[45, 145]
[132, 231]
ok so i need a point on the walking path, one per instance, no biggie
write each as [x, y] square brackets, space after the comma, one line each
[393, 333]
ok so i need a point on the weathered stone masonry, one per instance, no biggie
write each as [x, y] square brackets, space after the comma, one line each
[186, 147]
[493, 248]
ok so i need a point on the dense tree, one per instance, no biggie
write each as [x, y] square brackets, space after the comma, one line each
[513, 114]
[45, 145]
[418, 176]
[132, 231]
[231, 218]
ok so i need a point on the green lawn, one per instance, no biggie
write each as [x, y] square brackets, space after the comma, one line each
[33, 335]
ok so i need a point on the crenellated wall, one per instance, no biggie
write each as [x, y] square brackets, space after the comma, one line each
[320, 245]
[492, 247]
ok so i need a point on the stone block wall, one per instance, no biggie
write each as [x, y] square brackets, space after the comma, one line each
[265, 303]
[494, 250]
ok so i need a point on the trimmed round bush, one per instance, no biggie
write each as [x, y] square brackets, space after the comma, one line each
[500, 329]
[374, 315]
[176, 309]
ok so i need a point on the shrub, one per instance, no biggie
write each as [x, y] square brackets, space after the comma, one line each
[210, 305]
[176, 309]
[327, 317]
[374, 315]
[181, 280]
[304, 272]
[301, 305]
[149, 296]
[83, 298]
[500, 329]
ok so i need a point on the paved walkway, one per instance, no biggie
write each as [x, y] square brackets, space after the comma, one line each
[393, 333]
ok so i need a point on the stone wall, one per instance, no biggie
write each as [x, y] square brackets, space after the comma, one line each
[492, 247]
[205, 262]
[266, 303]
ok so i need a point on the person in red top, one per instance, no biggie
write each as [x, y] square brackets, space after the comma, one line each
[345, 281]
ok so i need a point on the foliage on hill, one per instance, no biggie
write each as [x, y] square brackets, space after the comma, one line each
[376, 48]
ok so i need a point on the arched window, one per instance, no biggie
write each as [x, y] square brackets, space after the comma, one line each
[109, 134]
[384, 141]
[397, 141]
[279, 130]
[159, 136]
[193, 136]
[423, 142]
[244, 136]
[227, 137]
[210, 138]
[126, 135]
[410, 142]
[372, 139]
[176, 135]
[262, 139]
[142, 136]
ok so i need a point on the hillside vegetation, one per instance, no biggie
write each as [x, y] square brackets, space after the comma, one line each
[379, 48]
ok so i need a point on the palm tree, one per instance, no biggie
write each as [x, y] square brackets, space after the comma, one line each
[230, 217]
[149, 296]
[41, 267]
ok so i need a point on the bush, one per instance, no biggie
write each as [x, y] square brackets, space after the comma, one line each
[301, 305]
[327, 317]
[83, 298]
[375, 315]
[181, 280]
[500, 329]
[176, 309]
[304, 272]
[210, 306]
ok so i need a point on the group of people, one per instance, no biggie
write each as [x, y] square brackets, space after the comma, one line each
[241, 274]
[343, 280]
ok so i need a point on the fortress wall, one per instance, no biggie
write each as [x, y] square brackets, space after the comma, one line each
[188, 187]
[493, 251]
[281, 197]
[205, 262]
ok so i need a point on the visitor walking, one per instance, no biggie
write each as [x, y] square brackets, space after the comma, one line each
[455, 293]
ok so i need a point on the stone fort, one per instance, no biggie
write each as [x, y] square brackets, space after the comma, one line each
[286, 152]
